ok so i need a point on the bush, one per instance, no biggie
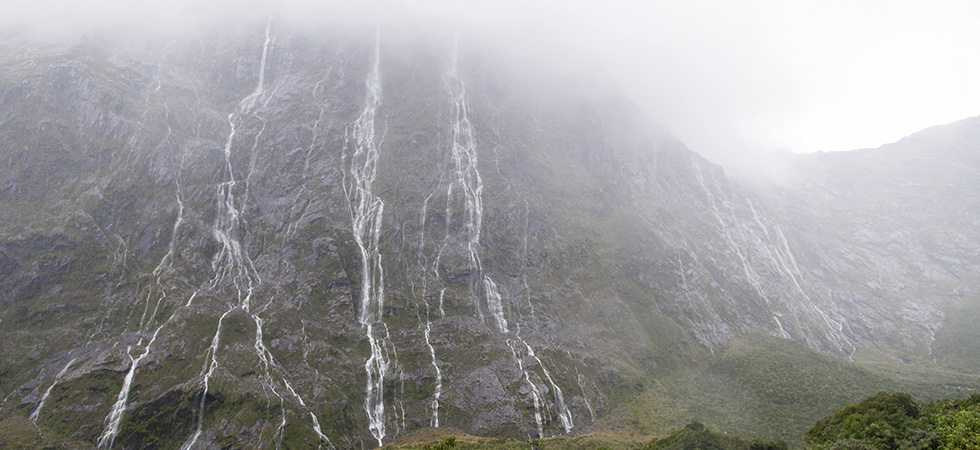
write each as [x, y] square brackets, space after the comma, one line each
[768, 444]
[959, 429]
[446, 444]
[895, 421]
[695, 436]
[884, 421]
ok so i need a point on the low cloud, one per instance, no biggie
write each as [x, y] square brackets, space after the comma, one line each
[734, 80]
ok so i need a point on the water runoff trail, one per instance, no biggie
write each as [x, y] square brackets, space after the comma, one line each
[750, 274]
[465, 181]
[156, 296]
[427, 329]
[233, 266]
[366, 213]
[47, 393]
[119, 256]
[766, 238]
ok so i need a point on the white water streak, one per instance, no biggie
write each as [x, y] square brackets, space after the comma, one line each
[750, 274]
[118, 409]
[437, 394]
[231, 259]
[527, 288]
[494, 303]
[781, 256]
[470, 183]
[442, 295]
[435, 365]
[47, 393]
[564, 414]
[167, 259]
[366, 212]
[108, 436]
[581, 384]
[535, 394]
[772, 243]
[232, 262]
[313, 418]
[294, 223]
[210, 364]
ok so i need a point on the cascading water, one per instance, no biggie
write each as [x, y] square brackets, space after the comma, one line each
[750, 274]
[581, 385]
[108, 436]
[495, 303]
[527, 288]
[232, 260]
[564, 414]
[47, 393]
[435, 365]
[118, 409]
[233, 264]
[768, 240]
[366, 212]
[781, 257]
[535, 394]
[467, 179]
[427, 332]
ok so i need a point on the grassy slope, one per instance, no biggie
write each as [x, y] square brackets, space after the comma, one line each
[957, 343]
[435, 439]
[769, 388]
[760, 387]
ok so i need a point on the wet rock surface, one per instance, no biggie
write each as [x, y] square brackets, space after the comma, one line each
[179, 241]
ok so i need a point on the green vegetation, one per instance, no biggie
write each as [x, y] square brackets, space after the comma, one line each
[771, 388]
[957, 343]
[453, 439]
[445, 444]
[696, 436]
[896, 421]
[960, 427]
[763, 387]
[162, 423]
[760, 386]
[885, 421]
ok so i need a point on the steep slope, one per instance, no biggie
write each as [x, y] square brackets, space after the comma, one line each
[897, 226]
[274, 236]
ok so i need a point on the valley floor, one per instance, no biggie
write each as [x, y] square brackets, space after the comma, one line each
[759, 387]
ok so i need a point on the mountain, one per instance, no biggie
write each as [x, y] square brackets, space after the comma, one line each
[269, 236]
[899, 221]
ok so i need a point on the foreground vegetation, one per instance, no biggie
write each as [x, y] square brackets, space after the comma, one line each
[896, 421]
[773, 390]
[885, 421]
[760, 387]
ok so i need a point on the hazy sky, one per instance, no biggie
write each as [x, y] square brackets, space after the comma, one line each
[737, 77]
[730, 78]
[804, 76]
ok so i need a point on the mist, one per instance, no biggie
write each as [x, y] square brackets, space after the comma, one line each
[549, 224]
[739, 82]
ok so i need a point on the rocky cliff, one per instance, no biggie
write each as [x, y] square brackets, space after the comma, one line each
[274, 236]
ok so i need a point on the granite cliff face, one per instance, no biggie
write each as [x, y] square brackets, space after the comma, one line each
[275, 237]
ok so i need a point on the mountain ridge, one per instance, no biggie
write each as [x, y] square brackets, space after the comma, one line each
[533, 261]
